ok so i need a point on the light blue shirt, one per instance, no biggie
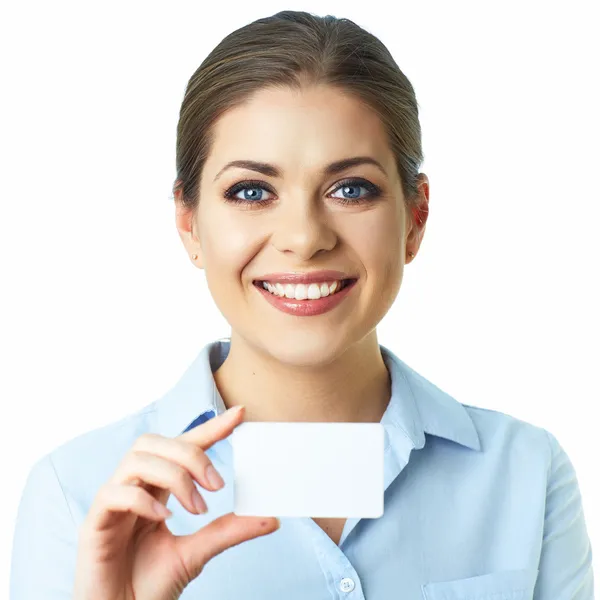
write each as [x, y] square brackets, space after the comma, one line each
[479, 505]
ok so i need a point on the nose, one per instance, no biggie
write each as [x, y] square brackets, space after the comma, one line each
[302, 227]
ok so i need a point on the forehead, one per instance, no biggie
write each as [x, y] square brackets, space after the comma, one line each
[299, 130]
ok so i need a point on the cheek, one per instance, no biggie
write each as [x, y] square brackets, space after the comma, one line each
[377, 240]
[228, 246]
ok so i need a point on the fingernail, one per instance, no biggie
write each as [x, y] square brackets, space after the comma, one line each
[234, 410]
[199, 503]
[214, 478]
[161, 510]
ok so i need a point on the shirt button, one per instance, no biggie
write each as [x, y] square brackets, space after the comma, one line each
[346, 584]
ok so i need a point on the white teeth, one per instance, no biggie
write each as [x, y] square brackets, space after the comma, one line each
[303, 291]
[314, 292]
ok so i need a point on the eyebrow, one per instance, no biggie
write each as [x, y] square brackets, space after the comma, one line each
[273, 171]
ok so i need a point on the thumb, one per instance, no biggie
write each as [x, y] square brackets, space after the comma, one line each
[227, 530]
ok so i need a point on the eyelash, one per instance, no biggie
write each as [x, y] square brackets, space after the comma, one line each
[374, 191]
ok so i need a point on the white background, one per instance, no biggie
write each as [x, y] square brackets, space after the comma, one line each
[102, 310]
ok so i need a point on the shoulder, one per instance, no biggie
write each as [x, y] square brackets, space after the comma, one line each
[84, 463]
[500, 432]
[491, 432]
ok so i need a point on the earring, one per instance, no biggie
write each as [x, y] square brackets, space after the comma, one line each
[411, 254]
[194, 256]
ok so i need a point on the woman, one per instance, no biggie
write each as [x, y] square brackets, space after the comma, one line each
[298, 192]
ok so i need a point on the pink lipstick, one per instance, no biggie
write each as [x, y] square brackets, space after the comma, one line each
[308, 307]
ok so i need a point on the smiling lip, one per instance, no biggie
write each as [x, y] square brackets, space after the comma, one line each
[309, 277]
[307, 308]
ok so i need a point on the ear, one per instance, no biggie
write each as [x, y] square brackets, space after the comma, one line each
[417, 216]
[186, 227]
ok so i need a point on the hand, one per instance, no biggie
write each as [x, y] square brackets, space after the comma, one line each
[126, 551]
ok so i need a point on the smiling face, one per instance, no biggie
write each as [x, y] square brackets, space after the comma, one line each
[303, 220]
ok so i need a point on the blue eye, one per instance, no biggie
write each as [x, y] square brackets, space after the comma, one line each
[255, 198]
[357, 184]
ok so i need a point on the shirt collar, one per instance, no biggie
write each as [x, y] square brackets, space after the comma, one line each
[416, 405]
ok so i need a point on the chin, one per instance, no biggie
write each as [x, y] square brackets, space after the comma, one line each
[304, 348]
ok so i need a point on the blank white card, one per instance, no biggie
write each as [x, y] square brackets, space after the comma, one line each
[319, 470]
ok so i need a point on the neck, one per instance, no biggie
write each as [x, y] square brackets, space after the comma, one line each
[355, 387]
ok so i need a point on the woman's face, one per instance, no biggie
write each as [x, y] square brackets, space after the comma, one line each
[300, 221]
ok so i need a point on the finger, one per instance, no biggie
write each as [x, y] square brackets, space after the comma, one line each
[146, 468]
[115, 498]
[215, 429]
[185, 454]
[227, 530]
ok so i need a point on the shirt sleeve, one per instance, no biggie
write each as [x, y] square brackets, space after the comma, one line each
[45, 539]
[565, 569]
